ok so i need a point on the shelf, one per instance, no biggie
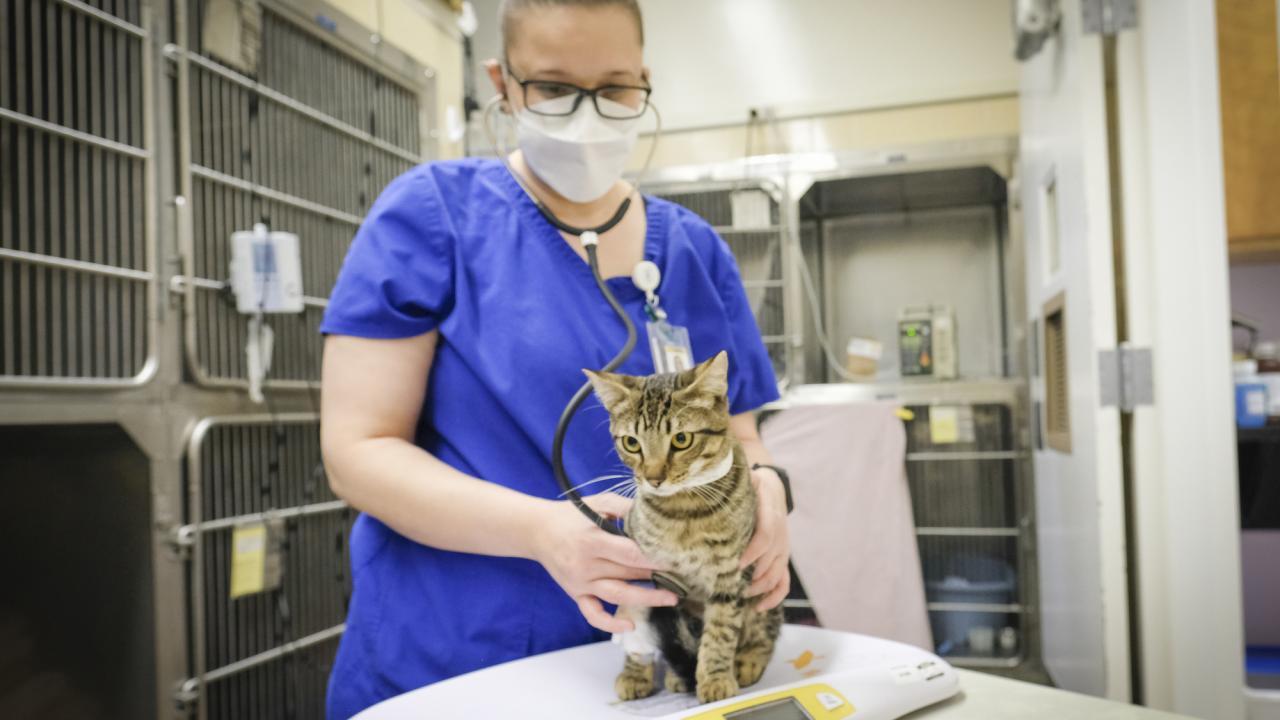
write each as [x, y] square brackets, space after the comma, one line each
[731, 230]
[1271, 433]
[975, 455]
[1009, 608]
[1253, 251]
[983, 662]
[969, 532]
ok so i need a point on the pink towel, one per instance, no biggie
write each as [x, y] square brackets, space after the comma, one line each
[853, 540]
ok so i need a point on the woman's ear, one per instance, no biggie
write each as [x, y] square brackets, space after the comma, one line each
[494, 69]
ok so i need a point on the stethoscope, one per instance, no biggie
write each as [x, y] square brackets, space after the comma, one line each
[646, 276]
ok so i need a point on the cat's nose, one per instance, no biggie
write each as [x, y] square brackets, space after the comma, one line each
[654, 480]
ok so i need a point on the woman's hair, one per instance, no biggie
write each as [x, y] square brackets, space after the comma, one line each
[510, 9]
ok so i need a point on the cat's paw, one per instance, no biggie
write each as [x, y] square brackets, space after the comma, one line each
[634, 683]
[749, 668]
[674, 682]
[717, 687]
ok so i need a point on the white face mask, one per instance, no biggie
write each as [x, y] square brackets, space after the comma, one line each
[581, 155]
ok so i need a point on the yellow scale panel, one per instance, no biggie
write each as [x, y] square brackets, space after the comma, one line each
[807, 696]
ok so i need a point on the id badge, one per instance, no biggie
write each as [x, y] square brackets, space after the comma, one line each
[669, 346]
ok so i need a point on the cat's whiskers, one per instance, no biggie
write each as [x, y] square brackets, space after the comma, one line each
[593, 481]
[629, 482]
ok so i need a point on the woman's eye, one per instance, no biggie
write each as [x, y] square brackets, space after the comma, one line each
[631, 97]
[549, 91]
[681, 440]
[630, 444]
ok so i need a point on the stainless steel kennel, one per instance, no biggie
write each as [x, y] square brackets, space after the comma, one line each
[134, 138]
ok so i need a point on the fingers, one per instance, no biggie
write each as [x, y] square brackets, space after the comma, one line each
[609, 504]
[774, 598]
[756, 549]
[593, 611]
[774, 584]
[621, 593]
[769, 576]
[609, 569]
[624, 551]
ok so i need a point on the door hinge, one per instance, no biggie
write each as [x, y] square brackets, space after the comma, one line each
[1125, 377]
[1108, 17]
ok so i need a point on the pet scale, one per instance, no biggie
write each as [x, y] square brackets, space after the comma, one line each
[815, 674]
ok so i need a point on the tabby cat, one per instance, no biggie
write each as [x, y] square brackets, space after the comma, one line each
[694, 512]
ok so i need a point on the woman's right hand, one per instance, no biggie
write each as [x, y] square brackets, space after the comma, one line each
[592, 565]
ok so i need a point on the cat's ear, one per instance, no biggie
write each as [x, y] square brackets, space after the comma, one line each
[611, 388]
[710, 378]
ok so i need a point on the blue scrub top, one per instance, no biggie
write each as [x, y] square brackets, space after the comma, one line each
[459, 247]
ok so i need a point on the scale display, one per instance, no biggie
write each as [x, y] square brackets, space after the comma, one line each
[784, 709]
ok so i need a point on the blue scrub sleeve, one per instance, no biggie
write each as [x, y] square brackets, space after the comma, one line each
[752, 382]
[397, 279]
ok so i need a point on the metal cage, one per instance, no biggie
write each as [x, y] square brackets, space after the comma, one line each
[269, 649]
[77, 260]
[306, 146]
[131, 148]
[760, 251]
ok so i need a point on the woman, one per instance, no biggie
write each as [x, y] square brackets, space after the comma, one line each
[457, 332]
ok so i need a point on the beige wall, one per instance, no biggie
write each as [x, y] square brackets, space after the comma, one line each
[860, 130]
[712, 60]
[424, 30]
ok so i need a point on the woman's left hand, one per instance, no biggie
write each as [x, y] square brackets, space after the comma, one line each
[770, 547]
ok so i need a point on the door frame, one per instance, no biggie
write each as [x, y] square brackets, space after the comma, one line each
[1188, 649]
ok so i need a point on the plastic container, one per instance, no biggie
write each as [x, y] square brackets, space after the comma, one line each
[1252, 395]
[970, 579]
[1268, 359]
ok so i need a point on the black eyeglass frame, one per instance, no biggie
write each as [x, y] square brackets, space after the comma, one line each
[582, 93]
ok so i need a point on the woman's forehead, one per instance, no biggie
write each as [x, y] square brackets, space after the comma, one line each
[576, 44]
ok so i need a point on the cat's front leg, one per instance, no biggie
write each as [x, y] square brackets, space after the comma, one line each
[637, 677]
[722, 627]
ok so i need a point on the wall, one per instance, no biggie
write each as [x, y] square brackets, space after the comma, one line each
[1255, 294]
[924, 71]
[714, 59]
[425, 30]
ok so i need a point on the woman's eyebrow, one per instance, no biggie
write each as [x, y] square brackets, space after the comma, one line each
[623, 74]
[562, 76]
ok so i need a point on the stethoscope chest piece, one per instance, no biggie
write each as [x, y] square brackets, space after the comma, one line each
[670, 582]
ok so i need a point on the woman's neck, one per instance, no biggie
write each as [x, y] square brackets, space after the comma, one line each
[585, 215]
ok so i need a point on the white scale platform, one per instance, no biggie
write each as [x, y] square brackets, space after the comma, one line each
[829, 674]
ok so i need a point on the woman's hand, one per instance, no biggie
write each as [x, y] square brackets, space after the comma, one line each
[592, 565]
[770, 547]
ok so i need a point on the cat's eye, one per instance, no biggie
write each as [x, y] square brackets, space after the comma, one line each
[681, 440]
[630, 444]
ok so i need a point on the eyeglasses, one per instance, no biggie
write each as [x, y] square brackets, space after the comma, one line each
[626, 102]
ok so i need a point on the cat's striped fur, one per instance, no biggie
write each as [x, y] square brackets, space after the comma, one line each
[694, 513]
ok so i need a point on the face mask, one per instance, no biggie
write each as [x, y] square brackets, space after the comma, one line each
[581, 155]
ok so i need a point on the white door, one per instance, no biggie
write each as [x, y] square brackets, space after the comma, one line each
[1066, 208]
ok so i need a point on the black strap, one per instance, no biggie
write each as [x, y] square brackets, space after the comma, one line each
[566, 227]
[786, 482]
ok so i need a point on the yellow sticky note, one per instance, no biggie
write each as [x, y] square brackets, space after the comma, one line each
[944, 425]
[248, 559]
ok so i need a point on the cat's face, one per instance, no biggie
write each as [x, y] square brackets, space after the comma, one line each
[672, 430]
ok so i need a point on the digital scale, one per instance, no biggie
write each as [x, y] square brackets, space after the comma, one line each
[815, 674]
